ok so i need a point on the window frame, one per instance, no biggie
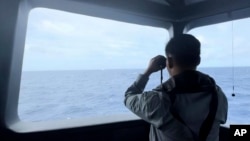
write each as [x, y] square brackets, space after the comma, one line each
[13, 60]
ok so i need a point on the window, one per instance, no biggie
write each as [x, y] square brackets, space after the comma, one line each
[79, 66]
[225, 56]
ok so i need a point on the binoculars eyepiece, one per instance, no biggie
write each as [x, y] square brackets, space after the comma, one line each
[162, 62]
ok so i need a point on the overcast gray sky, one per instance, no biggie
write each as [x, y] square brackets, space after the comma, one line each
[59, 40]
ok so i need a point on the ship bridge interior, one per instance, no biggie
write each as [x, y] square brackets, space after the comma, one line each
[177, 16]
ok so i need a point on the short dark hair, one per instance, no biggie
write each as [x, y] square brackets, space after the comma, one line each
[185, 50]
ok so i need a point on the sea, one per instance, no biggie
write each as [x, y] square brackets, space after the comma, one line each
[72, 94]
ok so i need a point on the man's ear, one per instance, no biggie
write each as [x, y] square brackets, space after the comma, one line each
[170, 62]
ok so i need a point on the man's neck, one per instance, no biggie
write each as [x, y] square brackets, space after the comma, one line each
[178, 70]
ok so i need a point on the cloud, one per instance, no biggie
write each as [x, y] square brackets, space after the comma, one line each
[57, 27]
[78, 41]
[61, 40]
[223, 27]
[203, 40]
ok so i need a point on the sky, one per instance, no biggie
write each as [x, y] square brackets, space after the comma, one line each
[57, 40]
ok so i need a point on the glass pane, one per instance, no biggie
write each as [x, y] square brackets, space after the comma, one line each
[225, 56]
[79, 66]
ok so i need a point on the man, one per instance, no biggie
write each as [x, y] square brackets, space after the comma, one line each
[187, 107]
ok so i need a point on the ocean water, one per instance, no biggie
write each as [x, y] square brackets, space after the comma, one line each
[53, 95]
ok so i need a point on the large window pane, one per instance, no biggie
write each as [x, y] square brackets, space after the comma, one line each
[225, 56]
[79, 66]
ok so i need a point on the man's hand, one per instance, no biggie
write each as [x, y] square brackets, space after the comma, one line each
[155, 65]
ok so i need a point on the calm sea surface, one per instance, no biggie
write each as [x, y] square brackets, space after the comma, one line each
[51, 95]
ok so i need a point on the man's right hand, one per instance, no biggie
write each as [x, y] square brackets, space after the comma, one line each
[154, 65]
